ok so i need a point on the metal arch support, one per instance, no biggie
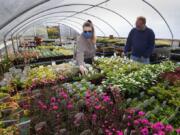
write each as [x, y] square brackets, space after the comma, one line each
[88, 8]
[74, 12]
[105, 23]
[20, 14]
[66, 6]
[170, 30]
[80, 24]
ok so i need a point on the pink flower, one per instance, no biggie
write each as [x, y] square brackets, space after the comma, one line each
[141, 113]
[69, 106]
[53, 99]
[59, 100]
[161, 133]
[107, 130]
[111, 103]
[55, 107]
[64, 94]
[44, 107]
[158, 126]
[129, 116]
[88, 94]
[168, 128]
[145, 121]
[178, 131]
[144, 131]
[129, 124]
[106, 98]
[136, 122]
[97, 107]
[119, 133]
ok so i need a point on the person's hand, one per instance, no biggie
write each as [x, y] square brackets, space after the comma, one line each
[83, 70]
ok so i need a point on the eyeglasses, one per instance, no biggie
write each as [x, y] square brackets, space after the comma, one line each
[87, 31]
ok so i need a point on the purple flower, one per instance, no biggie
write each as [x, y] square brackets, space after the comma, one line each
[129, 117]
[144, 131]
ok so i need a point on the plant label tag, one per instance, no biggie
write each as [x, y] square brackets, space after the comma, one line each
[53, 63]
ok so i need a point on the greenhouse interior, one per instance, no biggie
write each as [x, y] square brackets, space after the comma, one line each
[98, 67]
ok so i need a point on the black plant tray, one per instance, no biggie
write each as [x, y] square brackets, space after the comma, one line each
[43, 59]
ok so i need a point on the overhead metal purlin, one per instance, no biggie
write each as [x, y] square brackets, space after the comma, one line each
[72, 17]
[65, 6]
[72, 12]
[88, 9]
[69, 12]
[20, 14]
[172, 35]
[58, 13]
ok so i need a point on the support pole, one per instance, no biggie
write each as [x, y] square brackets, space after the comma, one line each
[60, 35]
[6, 49]
[13, 45]
[17, 43]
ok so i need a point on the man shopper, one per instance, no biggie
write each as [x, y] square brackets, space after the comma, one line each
[140, 42]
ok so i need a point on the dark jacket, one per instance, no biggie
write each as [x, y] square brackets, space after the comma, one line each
[140, 42]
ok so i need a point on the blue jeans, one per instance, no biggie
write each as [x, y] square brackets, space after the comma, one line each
[140, 59]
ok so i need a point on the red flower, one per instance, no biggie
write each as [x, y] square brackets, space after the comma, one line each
[55, 107]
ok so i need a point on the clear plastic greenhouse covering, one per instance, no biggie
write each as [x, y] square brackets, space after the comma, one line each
[111, 17]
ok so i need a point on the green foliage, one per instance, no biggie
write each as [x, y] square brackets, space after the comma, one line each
[164, 93]
[130, 76]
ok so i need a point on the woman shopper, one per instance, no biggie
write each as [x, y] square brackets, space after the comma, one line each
[86, 49]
